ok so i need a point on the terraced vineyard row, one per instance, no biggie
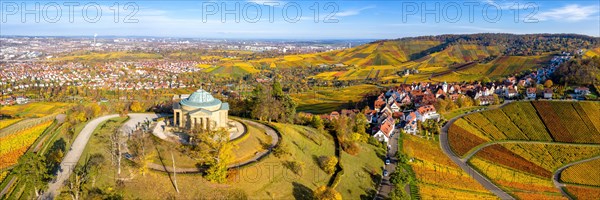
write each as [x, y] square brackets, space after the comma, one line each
[524, 170]
[537, 121]
[14, 145]
[587, 173]
[552, 156]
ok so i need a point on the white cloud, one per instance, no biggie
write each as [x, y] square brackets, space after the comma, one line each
[569, 13]
[352, 12]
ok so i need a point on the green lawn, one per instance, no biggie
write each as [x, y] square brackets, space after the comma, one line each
[271, 179]
[360, 172]
[250, 145]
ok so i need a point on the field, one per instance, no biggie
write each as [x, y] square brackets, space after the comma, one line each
[35, 109]
[437, 175]
[592, 52]
[552, 156]
[569, 121]
[564, 132]
[583, 192]
[513, 181]
[527, 121]
[15, 145]
[7, 122]
[230, 69]
[325, 100]
[586, 173]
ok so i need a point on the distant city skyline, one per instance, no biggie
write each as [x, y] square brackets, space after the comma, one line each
[258, 19]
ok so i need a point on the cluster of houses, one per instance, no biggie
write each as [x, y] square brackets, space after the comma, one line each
[113, 76]
[14, 100]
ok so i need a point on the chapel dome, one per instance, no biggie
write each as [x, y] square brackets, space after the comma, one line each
[200, 99]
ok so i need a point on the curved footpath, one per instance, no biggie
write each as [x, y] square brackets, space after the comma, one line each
[466, 167]
[556, 175]
[70, 161]
[269, 131]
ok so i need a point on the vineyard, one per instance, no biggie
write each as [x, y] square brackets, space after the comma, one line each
[566, 122]
[524, 170]
[15, 145]
[569, 121]
[584, 192]
[438, 176]
[461, 140]
[587, 173]
[7, 122]
[512, 181]
[552, 156]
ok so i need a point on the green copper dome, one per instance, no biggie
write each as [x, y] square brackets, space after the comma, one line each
[200, 98]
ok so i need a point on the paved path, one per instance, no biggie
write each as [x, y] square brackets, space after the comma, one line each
[466, 167]
[556, 175]
[385, 187]
[269, 131]
[70, 160]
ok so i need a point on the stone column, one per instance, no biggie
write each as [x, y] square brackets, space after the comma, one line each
[175, 118]
[205, 125]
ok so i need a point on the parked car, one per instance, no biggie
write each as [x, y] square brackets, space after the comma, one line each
[387, 161]
[385, 173]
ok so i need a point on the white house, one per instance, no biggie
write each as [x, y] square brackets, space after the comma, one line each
[582, 91]
[531, 92]
[427, 112]
[548, 93]
[385, 130]
[411, 123]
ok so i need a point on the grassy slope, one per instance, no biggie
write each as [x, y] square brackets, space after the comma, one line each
[271, 179]
[358, 180]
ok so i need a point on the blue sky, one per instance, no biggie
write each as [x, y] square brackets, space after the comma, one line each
[280, 19]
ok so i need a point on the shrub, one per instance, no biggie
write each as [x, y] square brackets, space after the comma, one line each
[351, 148]
[295, 166]
[281, 150]
[328, 163]
[326, 193]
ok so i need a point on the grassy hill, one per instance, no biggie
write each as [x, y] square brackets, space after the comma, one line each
[452, 57]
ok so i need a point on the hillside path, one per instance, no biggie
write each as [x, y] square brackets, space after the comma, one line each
[466, 167]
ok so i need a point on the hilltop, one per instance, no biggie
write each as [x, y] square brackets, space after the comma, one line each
[452, 57]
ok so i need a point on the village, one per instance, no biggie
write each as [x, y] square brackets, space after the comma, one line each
[405, 106]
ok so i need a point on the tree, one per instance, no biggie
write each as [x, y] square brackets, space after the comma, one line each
[317, 122]
[326, 193]
[548, 83]
[32, 171]
[136, 107]
[214, 149]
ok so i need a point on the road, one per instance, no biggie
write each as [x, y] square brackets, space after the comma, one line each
[385, 187]
[556, 175]
[70, 160]
[466, 167]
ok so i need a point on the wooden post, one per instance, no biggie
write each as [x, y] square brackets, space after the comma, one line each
[174, 173]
